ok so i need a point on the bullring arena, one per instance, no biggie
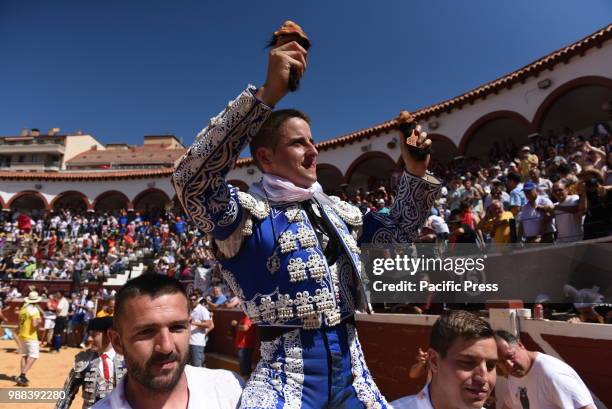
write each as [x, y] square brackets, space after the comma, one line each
[67, 196]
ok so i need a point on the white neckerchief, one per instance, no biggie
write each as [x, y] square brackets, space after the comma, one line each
[279, 190]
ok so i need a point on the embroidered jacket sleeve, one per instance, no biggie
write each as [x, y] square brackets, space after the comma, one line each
[199, 178]
[415, 197]
[74, 381]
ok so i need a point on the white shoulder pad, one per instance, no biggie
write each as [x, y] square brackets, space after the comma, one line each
[347, 212]
[255, 206]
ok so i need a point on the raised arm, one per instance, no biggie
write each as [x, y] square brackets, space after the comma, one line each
[76, 378]
[416, 194]
[199, 178]
[71, 387]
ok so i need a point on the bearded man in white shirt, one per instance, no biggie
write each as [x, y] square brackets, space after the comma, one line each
[151, 331]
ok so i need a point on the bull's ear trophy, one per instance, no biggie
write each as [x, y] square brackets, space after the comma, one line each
[406, 123]
[288, 32]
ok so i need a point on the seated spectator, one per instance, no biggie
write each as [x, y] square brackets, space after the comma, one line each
[108, 310]
[381, 207]
[497, 223]
[232, 301]
[217, 299]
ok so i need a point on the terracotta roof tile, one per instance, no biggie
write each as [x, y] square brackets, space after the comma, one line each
[140, 155]
[94, 175]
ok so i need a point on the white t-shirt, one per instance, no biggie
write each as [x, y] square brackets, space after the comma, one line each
[201, 279]
[62, 307]
[532, 219]
[544, 187]
[549, 384]
[89, 307]
[569, 225]
[419, 401]
[208, 388]
[198, 335]
[438, 224]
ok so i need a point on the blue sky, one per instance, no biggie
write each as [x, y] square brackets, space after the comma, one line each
[123, 69]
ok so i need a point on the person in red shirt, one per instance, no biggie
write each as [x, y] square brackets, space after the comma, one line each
[51, 247]
[244, 343]
[24, 222]
[128, 240]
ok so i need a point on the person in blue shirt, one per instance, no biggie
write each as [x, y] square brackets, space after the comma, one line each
[217, 299]
[179, 226]
[123, 219]
[515, 189]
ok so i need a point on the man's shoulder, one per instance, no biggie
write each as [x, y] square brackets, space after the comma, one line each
[114, 400]
[201, 308]
[572, 199]
[347, 211]
[407, 402]
[222, 381]
[516, 191]
[104, 403]
[83, 359]
[419, 401]
[551, 367]
[254, 204]
[194, 372]
[544, 200]
[32, 311]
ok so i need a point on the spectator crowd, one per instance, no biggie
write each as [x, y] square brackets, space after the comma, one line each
[90, 247]
[557, 189]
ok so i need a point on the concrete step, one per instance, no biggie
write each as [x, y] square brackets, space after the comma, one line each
[121, 279]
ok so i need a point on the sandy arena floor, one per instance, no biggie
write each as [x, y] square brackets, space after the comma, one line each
[49, 371]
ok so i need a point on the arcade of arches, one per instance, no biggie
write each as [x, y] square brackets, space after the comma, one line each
[151, 201]
[111, 201]
[34, 203]
[578, 104]
[28, 202]
[76, 202]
